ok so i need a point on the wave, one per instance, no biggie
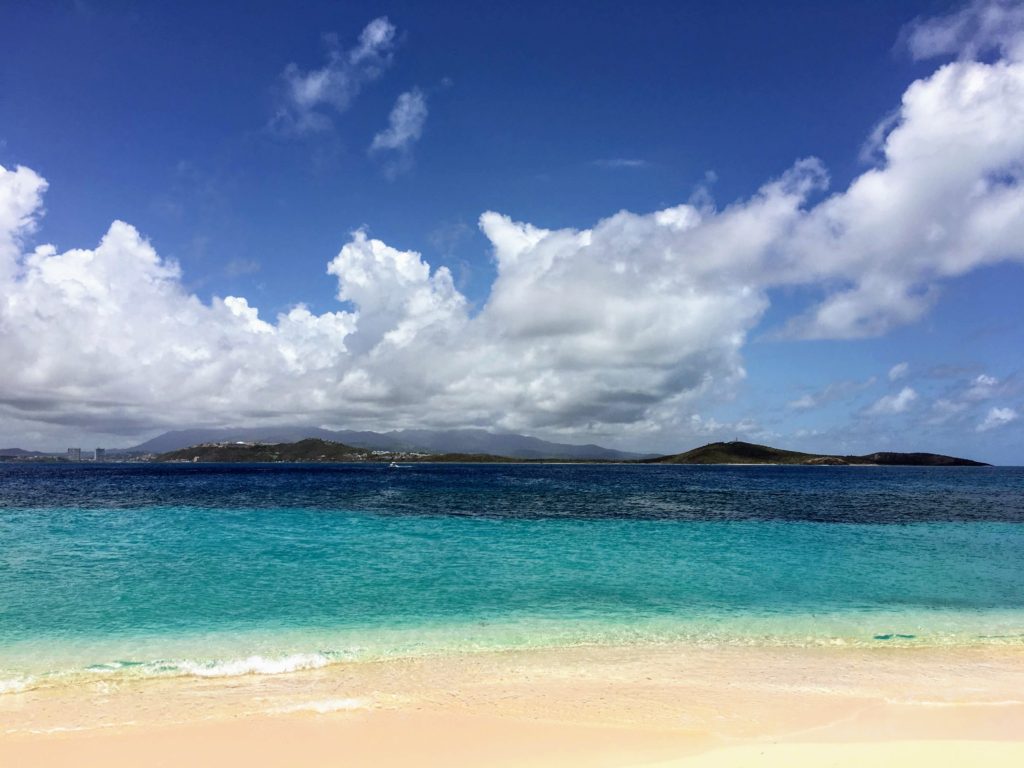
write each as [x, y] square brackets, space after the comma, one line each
[16, 684]
[254, 665]
[301, 654]
[955, 704]
[166, 668]
[324, 706]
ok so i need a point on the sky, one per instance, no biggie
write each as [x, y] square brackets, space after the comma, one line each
[647, 225]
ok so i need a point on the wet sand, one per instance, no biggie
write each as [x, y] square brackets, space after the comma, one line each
[586, 706]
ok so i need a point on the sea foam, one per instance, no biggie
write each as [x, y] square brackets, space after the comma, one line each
[15, 685]
[252, 665]
[324, 706]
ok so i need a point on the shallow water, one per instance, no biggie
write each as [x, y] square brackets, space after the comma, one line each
[165, 570]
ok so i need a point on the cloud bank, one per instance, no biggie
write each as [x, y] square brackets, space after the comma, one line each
[627, 326]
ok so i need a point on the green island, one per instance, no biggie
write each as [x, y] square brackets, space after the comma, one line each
[738, 452]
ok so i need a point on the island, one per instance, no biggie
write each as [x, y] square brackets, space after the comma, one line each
[739, 452]
[736, 452]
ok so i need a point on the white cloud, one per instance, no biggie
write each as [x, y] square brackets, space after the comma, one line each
[837, 390]
[998, 417]
[307, 95]
[626, 327]
[946, 199]
[405, 126]
[804, 402]
[238, 267]
[982, 387]
[21, 200]
[977, 27]
[621, 162]
[893, 404]
[899, 371]
[943, 410]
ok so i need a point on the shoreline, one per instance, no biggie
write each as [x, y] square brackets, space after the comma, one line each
[153, 659]
[590, 706]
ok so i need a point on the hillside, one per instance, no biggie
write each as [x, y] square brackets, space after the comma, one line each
[735, 453]
[738, 452]
[317, 450]
[18, 453]
[919, 460]
[304, 450]
[313, 450]
[445, 441]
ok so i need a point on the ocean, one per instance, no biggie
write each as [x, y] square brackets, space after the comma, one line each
[113, 571]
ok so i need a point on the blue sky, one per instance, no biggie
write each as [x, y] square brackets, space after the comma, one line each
[187, 121]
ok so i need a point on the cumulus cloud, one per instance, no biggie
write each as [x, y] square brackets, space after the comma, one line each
[21, 199]
[945, 199]
[628, 326]
[893, 404]
[308, 96]
[899, 371]
[998, 417]
[965, 401]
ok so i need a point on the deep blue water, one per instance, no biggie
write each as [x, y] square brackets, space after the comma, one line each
[170, 569]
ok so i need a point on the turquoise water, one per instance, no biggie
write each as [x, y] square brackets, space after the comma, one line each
[205, 570]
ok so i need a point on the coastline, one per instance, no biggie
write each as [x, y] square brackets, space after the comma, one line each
[584, 706]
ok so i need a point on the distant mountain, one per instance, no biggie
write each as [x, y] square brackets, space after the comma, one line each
[183, 438]
[480, 441]
[452, 441]
[311, 450]
[304, 450]
[11, 452]
[750, 453]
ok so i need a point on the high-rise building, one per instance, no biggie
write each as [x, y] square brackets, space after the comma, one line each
[74, 454]
[100, 454]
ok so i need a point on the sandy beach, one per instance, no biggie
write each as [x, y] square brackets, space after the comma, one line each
[586, 706]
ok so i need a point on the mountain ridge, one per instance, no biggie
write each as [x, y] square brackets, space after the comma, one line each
[19, 453]
[453, 441]
[318, 450]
